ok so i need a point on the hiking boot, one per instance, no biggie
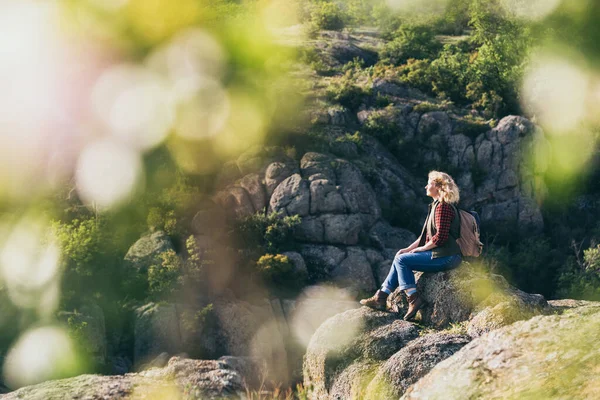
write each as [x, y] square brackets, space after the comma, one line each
[377, 301]
[415, 303]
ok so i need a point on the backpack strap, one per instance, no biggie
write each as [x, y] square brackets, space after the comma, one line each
[457, 214]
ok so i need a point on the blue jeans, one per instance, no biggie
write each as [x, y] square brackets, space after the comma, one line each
[401, 273]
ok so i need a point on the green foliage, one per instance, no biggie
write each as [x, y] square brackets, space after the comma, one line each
[269, 233]
[328, 16]
[382, 125]
[92, 259]
[411, 41]
[197, 323]
[355, 138]
[274, 268]
[346, 92]
[174, 271]
[311, 57]
[426, 106]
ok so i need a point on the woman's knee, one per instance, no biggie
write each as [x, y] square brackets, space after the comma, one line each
[400, 259]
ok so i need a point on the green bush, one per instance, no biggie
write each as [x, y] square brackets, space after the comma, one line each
[411, 41]
[328, 16]
[382, 125]
[269, 233]
[274, 268]
[176, 271]
[346, 92]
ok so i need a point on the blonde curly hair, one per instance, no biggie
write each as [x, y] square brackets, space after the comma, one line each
[446, 186]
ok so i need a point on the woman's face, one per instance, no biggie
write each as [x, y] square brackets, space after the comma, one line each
[431, 189]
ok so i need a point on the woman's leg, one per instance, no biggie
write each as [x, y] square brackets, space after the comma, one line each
[421, 261]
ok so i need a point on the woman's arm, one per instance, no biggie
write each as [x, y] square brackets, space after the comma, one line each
[408, 249]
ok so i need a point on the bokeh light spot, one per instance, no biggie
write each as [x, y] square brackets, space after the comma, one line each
[530, 9]
[555, 90]
[107, 173]
[38, 355]
[134, 103]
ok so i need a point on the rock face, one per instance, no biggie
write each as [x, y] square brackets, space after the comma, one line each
[181, 379]
[546, 357]
[346, 350]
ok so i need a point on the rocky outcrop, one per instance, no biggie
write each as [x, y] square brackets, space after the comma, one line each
[347, 349]
[181, 379]
[413, 362]
[548, 357]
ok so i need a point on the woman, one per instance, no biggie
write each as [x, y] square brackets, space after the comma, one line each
[435, 250]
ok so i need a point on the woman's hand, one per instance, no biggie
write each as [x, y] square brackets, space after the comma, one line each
[402, 251]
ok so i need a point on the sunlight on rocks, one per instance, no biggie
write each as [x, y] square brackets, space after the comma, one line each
[29, 264]
[163, 391]
[555, 90]
[311, 311]
[107, 173]
[38, 355]
[134, 105]
[530, 9]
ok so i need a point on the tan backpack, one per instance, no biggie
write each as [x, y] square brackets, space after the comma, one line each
[468, 237]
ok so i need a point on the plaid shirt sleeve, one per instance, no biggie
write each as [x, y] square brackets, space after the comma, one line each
[443, 218]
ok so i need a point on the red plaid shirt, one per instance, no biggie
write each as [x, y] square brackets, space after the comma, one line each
[443, 218]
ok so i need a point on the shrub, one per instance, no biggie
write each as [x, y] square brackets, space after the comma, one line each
[269, 233]
[175, 271]
[345, 92]
[411, 41]
[382, 125]
[328, 16]
[274, 268]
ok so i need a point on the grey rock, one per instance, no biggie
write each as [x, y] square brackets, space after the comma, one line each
[156, 331]
[188, 379]
[236, 200]
[276, 173]
[355, 336]
[413, 362]
[434, 123]
[325, 197]
[328, 256]
[252, 183]
[522, 360]
[298, 261]
[383, 235]
[355, 271]
[341, 229]
[292, 197]
[146, 251]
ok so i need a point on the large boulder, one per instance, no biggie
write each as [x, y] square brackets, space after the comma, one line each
[252, 331]
[180, 379]
[413, 362]
[546, 357]
[455, 296]
[147, 250]
[345, 351]
[156, 331]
